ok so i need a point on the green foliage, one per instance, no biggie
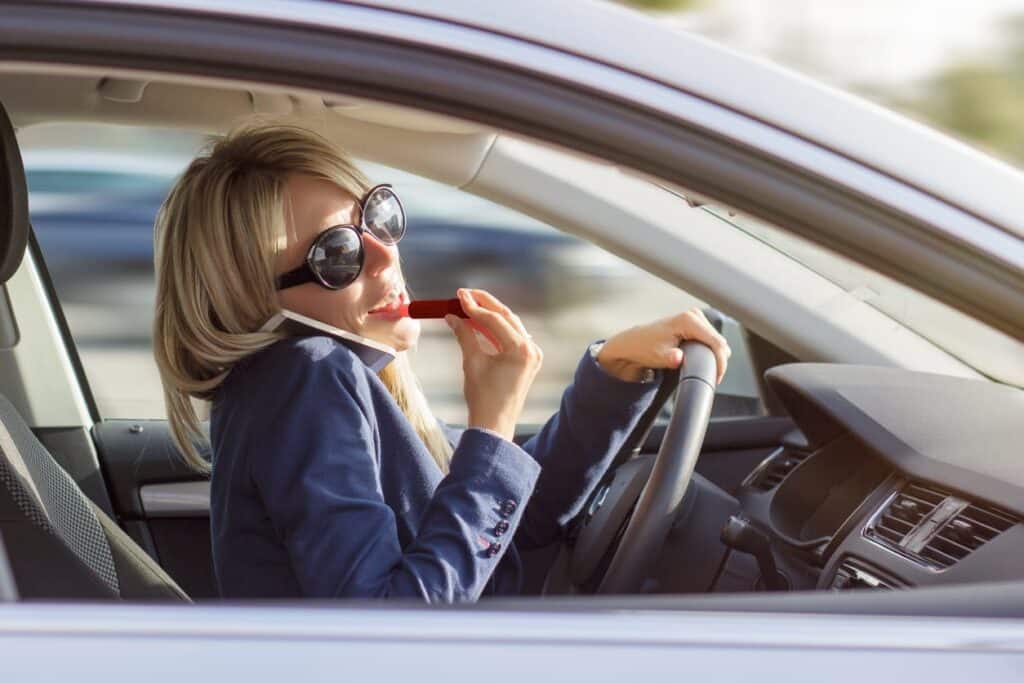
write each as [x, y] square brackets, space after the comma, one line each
[981, 102]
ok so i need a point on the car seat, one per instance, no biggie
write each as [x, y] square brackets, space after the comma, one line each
[58, 542]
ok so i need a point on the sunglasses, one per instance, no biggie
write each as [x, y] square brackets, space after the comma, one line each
[335, 258]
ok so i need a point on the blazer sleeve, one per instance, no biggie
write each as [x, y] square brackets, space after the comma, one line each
[576, 446]
[319, 478]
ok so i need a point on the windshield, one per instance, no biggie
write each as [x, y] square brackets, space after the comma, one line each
[988, 351]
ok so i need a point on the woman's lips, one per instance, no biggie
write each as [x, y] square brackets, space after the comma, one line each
[393, 309]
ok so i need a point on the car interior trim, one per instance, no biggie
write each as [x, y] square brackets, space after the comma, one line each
[9, 333]
[930, 447]
[821, 320]
[176, 499]
[54, 397]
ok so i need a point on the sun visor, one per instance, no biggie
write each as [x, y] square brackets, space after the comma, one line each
[13, 201]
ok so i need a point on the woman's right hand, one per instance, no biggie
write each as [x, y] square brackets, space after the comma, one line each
[495, 383]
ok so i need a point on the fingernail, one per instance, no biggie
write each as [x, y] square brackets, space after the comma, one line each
[450, 319]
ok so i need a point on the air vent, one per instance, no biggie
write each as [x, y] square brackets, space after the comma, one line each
[776, 468]
[934, 527]
[968, 530]
[905, 512]
[856, 575]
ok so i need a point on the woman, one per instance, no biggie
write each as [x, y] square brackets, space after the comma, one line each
[330, 477]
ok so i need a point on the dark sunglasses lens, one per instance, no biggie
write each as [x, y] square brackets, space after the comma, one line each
[384, 216]
[337, 256]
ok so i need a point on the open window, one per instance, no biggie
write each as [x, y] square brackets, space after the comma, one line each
[94, 191]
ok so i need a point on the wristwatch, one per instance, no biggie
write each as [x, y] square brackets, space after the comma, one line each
[649, 375]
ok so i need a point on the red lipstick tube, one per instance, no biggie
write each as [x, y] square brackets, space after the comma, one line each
[434, 308]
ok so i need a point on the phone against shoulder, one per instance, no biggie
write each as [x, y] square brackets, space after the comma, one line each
[374, 354]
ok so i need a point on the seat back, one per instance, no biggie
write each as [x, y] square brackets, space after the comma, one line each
[56, 542]
[13, 201]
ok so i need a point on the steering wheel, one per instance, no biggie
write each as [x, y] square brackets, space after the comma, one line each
[663, 488]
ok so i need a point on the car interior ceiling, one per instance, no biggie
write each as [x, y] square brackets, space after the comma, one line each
[71, 533]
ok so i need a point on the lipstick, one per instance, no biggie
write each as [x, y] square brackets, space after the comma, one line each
[432, 308]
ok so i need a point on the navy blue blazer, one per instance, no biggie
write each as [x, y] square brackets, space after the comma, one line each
[321, 487]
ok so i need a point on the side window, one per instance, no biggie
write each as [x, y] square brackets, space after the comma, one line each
[93, 214]
[92, 210]
[568, 292]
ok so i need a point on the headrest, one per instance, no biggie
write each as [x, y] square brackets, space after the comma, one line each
[13, 201]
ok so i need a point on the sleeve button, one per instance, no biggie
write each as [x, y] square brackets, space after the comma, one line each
[507, 508]
[500, 528]
[493, 549]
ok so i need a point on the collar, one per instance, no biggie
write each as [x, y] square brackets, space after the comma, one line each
[373, 354]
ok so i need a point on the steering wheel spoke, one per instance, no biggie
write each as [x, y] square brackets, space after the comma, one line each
[656, 485]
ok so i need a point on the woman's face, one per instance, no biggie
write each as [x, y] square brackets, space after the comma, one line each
[315, 205]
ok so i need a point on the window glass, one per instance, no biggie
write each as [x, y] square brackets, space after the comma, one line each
[47, 182]
[93, 214]
[94, 191]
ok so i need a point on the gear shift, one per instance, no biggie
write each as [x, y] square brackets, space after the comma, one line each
[739, 534]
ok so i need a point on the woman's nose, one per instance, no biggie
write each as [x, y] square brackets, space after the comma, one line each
[379, 256]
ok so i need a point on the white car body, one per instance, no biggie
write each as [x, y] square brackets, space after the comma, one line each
[753, 107]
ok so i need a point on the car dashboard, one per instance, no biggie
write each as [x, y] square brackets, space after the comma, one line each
[894, 479]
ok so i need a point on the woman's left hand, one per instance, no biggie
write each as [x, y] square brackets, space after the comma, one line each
[656, 345]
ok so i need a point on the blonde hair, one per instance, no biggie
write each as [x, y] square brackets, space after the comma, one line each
[216, 237]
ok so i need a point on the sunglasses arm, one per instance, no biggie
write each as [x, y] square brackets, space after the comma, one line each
[296, 277]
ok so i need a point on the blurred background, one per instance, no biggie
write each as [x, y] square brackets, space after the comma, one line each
[95, 190]
[957, 65]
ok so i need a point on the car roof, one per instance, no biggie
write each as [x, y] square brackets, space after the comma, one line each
[852, 126]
